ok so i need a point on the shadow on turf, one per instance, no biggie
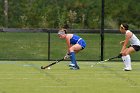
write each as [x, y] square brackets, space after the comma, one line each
[127, 79]
[36, 67]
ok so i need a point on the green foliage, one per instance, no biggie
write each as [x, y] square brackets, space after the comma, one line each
[122, 11]
[76, 13]
[1, 14]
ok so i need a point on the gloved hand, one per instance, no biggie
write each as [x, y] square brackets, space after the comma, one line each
[120, 55]
[66, 56]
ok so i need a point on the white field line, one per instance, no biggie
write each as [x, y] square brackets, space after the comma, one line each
[46, 79]
[134, 86]
[65, 86]
[20, 78]
[64, 74]
[84, 78]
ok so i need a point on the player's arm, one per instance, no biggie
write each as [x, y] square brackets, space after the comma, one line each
[128, 36]
[68, 42]
[67, 55]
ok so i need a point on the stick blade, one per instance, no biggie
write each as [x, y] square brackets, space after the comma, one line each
[42, 67]
[106, 60]
[57, 61]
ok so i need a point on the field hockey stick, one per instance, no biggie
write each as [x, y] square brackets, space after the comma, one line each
[112, 58]
[57, 61]
[119, 56]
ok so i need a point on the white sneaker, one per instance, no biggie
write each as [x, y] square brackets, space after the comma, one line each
[71, 65]
[127, 69]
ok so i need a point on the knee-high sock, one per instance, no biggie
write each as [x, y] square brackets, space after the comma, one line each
[72, 57]
[127, 61]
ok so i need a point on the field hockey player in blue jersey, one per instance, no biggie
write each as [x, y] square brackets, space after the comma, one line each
[74, 45]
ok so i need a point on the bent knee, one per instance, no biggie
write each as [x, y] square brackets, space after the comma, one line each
[126, 53]
[75, 48]
[71, 49]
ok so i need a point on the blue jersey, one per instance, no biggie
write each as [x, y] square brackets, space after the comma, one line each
[77, 40]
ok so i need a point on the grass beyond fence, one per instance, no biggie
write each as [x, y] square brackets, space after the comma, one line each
[23, 46]
[34, 46]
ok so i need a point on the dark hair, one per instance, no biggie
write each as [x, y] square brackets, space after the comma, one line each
[125, 26]
[65, 30]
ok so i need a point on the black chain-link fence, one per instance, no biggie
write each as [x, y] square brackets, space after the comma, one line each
[44, 44]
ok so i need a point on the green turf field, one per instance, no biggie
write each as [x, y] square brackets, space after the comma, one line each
[26, 77]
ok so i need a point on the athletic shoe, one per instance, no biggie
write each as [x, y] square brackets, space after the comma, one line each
[74, 68]
[127, 69]
[71, 65]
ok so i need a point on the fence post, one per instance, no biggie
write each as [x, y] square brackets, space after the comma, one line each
[49, 45]
[102, 31]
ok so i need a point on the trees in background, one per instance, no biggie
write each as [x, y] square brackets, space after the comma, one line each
[75, 13]
[122, 11]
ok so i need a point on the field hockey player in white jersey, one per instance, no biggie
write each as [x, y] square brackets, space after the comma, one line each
[126, 51]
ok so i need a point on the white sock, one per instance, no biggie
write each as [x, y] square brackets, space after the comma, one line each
[127, 61]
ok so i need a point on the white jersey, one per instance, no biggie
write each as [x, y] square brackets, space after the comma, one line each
[133, 40]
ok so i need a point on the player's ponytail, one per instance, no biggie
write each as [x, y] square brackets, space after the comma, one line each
[125, 26]
[65, 30]
[65, 27]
